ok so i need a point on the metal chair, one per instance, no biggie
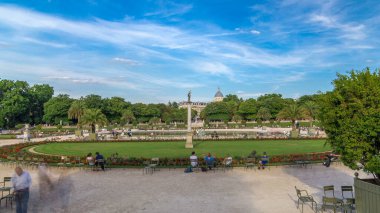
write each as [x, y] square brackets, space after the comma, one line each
[349, 201]
[304, 197]
[249, 163]
[5, 187]
[331, 203]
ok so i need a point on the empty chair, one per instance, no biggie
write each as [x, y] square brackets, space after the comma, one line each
[5, 187]
[331, 203]
[329, 191]
[250, 163]
[304, 197]
[227, 163]
[348, 198]
[154, 162]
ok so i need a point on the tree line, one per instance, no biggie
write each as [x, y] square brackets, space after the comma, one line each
[22, 103]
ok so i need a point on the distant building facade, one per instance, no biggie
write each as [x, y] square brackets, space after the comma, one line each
[199, 106]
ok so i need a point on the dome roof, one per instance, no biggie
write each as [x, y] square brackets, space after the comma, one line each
[218, 94]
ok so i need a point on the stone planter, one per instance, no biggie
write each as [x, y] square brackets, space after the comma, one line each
[78, 133]
[294, 134]
[367, 196]
[93, 136]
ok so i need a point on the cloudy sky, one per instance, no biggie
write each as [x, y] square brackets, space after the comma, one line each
[155, 51]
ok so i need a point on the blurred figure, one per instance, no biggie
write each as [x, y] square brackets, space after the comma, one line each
[21, 182]
[63, 191]
[45, 183]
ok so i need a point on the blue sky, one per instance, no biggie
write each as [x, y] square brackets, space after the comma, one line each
[155, 51]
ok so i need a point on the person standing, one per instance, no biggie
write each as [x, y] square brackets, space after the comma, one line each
[21, 182]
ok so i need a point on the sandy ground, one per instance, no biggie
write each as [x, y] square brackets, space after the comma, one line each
[129, 190]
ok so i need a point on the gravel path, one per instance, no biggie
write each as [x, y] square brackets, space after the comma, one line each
[128, 190]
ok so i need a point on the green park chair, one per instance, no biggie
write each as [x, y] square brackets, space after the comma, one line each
[331, 203]
[329, 190]
[154, 162]
[5, 186]
[304, 197]
[227, 164]
[250, 163]
[349, 201]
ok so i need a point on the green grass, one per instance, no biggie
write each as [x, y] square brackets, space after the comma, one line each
[176, 149]
[7, 137]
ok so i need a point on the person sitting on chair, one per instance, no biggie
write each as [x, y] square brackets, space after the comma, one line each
[210, 161]
[90, 160]
[264, 160]
[193, 160]
[99, 160]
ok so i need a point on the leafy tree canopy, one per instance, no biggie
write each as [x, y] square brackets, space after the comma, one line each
[350, 115]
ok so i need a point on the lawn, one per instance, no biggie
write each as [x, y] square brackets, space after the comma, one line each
[6, 136]
[176, 149]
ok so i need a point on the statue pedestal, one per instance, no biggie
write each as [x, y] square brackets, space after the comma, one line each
[189, 140]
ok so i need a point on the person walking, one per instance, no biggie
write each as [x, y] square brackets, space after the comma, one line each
[21, 182]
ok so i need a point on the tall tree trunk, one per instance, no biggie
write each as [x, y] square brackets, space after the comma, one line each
[293, 124]
[93, 128]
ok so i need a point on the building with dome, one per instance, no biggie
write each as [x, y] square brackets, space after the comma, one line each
[199, 106]
[218, 97]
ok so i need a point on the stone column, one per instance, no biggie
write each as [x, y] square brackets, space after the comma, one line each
[189, 134]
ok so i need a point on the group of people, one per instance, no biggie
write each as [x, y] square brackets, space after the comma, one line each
[210, 161]
[262, 160]
[95, 162]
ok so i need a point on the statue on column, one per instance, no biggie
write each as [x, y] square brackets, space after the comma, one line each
[189, 96]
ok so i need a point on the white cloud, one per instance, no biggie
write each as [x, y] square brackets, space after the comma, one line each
[148, 39]
[171, 9]
[45, 43]
[348, 30]
[126, 60]
[255, 32]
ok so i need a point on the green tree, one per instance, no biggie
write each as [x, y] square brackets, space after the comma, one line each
[93, 101]
[216, 111]
[263, 114]
[248, 109]
[114, 107]
[311, 108]
[76, 110]
[93, 117]
[306, 98]
[350, 115]
[231, 97]
[154, 121]
[273, 102]
[127, 116]
[14, 103]
[55, 110]
[39, 95]
[292, 112]
[237, 118]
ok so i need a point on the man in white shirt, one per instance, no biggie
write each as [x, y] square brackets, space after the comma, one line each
[193, 160]
[21, 182]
